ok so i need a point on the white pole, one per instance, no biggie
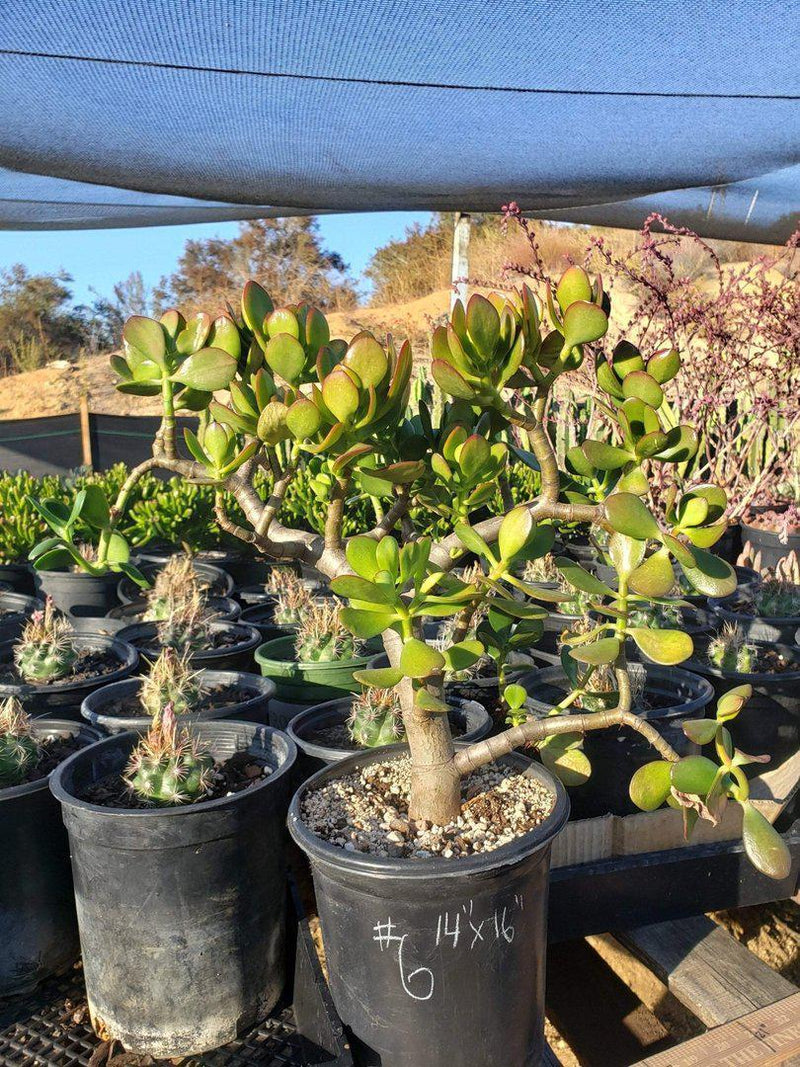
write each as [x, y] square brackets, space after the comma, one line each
[460, 269]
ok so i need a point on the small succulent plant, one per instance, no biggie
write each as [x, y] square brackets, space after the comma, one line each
[168, 766]
[663, 616]
[541, 570]
[170, 681]
[185, 627]
[45, 652]
[19, 749]
[776, 599]
[177, 582]
[321, 635]
[292, 601]
[376, 718]
[730, 652]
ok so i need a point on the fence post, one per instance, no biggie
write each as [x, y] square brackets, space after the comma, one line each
[86, 434]
[460, 268]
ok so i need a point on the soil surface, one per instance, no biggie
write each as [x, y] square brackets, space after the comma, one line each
[214, 698]
[234, 775]
[216, 639]
[53, 750]
[89, 665]
[367, 811]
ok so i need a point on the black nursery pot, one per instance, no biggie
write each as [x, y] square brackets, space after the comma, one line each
[181, 910]
[231, 657]
[15, 610]
[19, 576]
[769, 544]
[436, 961]
[245, 568]
[38, 928]
[616, 754]
[769, 723]
[780, 630]
[219, 582]
[224, 608]
[467, 716]
[77, 592]
[253, 706]
[63, 699]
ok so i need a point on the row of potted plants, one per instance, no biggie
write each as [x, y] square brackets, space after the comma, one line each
[430, 856]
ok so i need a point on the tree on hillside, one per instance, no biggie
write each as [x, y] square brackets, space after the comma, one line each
[286, 256]
[36, 322]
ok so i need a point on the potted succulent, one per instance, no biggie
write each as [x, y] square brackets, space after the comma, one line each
[178, 570]
[769, 611]
[50, 668]
[21, 528]
[178, 580]
[37, 917]
[315, 663]
[329, 732]
[189, 823]
[280, 606]
[425, 945]
[133, 703]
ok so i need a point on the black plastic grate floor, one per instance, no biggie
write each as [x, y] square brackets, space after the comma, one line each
[40, 1030]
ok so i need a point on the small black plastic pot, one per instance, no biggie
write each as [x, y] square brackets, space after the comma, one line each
[38, 928]
[754, 627]
[255, 693]
[473, 721]
[769, 723]
[18, 576]
[436, 961]
[77, 592]
[219, 582]
[262, 616]
[769, 544]
[616, 753]
[63, 699]
[245, 568]
[239, 656]
[224, 608]
[15, 610]
[181, 910]
[257, 595]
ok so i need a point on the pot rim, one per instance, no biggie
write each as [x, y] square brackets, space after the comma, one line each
[127, 654]
[32, 603]
[67, 799]
[703, 668]
[418, 870]
[304, 665]
[47, 725]
[717, 604]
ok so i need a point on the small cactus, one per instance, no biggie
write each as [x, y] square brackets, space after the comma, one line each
[170, 681]
[375, 719]
[178, 582]
[776, 599]
[280, 579]
[169, 767]
[45, 652]
[542, 569]
[19, 749]
[186, 625]
[321, 637]
[729, 651]
[659, 616]
[292, 601]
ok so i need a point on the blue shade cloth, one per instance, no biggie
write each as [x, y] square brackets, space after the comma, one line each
[137, 112]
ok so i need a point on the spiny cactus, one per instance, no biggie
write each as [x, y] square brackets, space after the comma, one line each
[729, 651]
[280, 579]
[776, 599]
[292, 601]
[176, 583]
[169, 766]
[541, 570]
[170, 681]
[186, 625]
[321, 637]
[45, 651]
[376, 719]
[664, 616]
[19, 749]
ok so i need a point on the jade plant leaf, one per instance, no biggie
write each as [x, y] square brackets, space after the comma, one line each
[629, 516]
[570, 765]
[764, 846]
[365, 624]
[666, 647]
[711, 576]
[583, 322]
[599, 652]
[463, 655]
[581, 579]
[663, 366]
[354, 588]
[605, 457]
[573, 285]
[303, 419]
[731, 703]
[650, 785]
[207, 370]
[450, 381]
[148, 337]
[362, 555]
[639, 384]
[379, 677]
[515, 530]
[694, 775]
[701, 731]
[286, 357]
[654, 577]
[419, 660]
[367, 358]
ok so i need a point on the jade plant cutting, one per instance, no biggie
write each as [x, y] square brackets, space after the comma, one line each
[273, 392]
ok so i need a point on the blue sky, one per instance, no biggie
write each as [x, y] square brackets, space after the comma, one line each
[97, 259]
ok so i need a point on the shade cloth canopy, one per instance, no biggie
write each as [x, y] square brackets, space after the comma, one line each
[137, 112]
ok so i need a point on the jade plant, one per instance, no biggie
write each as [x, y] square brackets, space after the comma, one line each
[169, 766]
[45, 651]
[170, 681]
[19, 749]
[376, 718]
[274, 391]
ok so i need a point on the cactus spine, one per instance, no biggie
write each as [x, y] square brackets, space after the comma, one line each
[170, 681]
[186, 624]
[45, 652]
[729, 652]
[19, 749]
[375, 719]
[321, 637]
[176, 583]
[168, 766]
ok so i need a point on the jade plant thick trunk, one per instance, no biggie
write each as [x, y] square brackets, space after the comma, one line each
[274, 393]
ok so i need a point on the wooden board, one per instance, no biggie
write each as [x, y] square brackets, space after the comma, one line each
[714, 976]
[769, 1037]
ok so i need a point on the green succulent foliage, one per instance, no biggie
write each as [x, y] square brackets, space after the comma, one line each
[20, 752]
[702, 788]
[218, 449]
[464, 474]
[89, 508]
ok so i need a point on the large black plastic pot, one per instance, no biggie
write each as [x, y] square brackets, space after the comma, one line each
[77, 592]
[218, 581]
[224, 608]
[238, 656]
[180, 910]
[19, 576]
[770, 721]
[755, 627]
[616, 753]
[769, 544]
[253, 705]
[245, 568]
[38, 929]
[436, 961]
[467, 716]
[63, 699]
[304, 685]
[15, 610]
